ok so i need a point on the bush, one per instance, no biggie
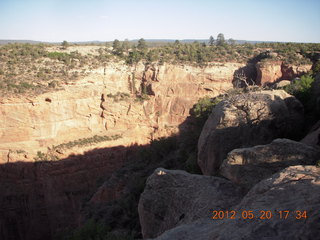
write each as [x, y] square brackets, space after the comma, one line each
[204, 107]
[87, 141]
[301, 88]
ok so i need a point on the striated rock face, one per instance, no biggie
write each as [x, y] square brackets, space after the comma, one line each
[174, 197]
[104, 103]
[295, 189]
[247, 120]
[248, 166]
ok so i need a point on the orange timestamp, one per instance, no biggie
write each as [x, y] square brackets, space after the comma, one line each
[263, 214]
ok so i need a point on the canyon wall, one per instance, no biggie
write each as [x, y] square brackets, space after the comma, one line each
[105, 103]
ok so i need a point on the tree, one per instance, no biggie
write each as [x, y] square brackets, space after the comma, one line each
[65, 44]
[220, 39]
[142, 44]
[116, 44]
[134, 57]
[117, 49]
[176, 42]
[211, 41]
[125, 45]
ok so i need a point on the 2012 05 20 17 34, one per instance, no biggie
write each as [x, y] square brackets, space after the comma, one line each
[259, 214]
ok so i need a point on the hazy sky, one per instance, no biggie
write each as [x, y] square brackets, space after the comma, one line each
[87, 20]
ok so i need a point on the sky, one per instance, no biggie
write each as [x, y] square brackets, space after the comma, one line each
[105, 20]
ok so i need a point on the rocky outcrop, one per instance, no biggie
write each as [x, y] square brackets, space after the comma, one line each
[105, 103]
[268, 72]
[284, 206]
[174, 197]
[290, 71]
[244, 121]
[248, 166]
[281, 84]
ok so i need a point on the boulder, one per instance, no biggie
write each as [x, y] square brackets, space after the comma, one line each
[284, 206]
[248, 166]
[247, 120]
[175, 197]
[281, 84]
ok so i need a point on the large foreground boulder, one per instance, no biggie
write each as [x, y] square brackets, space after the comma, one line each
[247, 120]
[248, 166]
[284, 206]
[175, 197]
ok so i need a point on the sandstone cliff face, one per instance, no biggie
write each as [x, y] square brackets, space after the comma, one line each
[269, 71]
[290, 71]
[91, 107]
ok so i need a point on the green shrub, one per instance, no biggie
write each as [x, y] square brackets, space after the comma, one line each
[301, 89]
[204, 107]
[87, 141]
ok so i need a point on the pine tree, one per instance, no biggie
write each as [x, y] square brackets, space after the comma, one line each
[220, 39]
[211, 41]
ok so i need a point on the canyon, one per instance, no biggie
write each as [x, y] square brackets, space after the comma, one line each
[138, 104]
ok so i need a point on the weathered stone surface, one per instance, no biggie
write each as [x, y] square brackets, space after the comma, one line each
[174, 197]
[268, 72]
[290, 71]
[248, 166]
[247, 120]
[281, 84]
[313, 137]
[294, 189]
